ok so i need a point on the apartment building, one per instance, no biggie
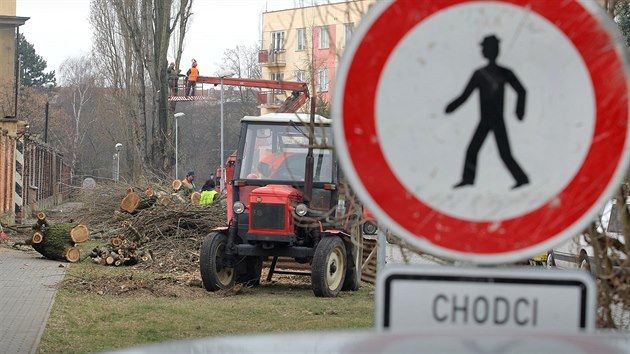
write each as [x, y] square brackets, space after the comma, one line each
[305, 44]
[9, 27]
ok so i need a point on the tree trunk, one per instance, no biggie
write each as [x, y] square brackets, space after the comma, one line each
[57, 242]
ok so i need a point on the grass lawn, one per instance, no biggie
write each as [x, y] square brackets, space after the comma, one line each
[102, 308]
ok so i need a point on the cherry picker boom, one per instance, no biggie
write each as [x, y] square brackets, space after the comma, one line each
[299, 90]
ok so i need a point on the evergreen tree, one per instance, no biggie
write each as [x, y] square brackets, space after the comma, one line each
[622, 17]
[32, 66]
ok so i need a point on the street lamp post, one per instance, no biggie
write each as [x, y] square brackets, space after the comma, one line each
[177, 116]
[222, 181]
[118, 147]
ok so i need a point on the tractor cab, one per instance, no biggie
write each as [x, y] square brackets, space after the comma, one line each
[275, 209]
[274, 152]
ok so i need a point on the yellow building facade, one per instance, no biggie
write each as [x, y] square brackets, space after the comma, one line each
[305, 44]
[9, 26]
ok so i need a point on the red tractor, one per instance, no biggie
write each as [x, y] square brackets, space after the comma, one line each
[286, 197]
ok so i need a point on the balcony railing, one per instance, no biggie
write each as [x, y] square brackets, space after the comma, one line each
[272, 57]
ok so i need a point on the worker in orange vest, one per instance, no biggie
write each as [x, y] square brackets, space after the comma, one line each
[191, 77]
[188, 183]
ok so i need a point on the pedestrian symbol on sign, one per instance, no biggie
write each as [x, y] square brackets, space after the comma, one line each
[491, 80]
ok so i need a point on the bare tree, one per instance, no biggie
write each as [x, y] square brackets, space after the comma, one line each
[78, 78]
[132, 43]
[242, 61]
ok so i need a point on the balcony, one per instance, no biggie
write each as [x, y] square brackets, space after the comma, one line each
[272, 58]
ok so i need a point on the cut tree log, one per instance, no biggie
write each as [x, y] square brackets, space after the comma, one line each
[177, 184]
[56, 241]
[41, 221]
[80, 233]
[195, 197]
[73, 254]
[164, 200]
[130, 202]
[116, 241]
[38, 237]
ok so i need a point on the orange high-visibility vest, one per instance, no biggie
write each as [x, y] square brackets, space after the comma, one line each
[194, 72]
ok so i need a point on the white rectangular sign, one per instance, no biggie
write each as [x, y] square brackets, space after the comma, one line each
[411, 297]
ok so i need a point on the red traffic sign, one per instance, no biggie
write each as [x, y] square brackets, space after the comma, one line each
[482, 131]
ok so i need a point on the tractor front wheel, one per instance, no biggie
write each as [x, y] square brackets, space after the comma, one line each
[329, 267]
[213, 274]
[253, 270]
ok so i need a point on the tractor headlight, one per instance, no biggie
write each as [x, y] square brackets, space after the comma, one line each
[370, 227]
[238, 207]
[301, 209]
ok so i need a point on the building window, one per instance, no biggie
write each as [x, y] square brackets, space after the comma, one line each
[349, 28]
[301, 39]
[276, 76]
[277, 40]
[324, 37]
[322, 80]
[300, 75]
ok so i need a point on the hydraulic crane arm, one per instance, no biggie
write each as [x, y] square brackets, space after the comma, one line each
[298, 96]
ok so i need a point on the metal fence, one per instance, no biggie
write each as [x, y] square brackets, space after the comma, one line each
[33, 175]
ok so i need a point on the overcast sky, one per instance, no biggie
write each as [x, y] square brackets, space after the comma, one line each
[60, 29]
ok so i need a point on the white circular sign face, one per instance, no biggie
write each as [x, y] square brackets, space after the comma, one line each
[557, 124]
[485, 131]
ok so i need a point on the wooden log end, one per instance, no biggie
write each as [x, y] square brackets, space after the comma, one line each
[177, 184]
[116, 241]
[195, 197]
[149, 192]
[130, 202]
[41, 216]
[80, 233]
[38, 237]
[164, 200]
[109, 260]
[73, 254]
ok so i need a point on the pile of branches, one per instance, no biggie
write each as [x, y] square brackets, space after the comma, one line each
[161, 236]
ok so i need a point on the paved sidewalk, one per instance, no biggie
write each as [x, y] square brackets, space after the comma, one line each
[27, 293]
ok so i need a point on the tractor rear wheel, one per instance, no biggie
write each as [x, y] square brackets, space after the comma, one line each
[213, 274]
[355, 263]
[329, 267]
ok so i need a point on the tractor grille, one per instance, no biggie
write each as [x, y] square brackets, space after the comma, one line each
[268, 216]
